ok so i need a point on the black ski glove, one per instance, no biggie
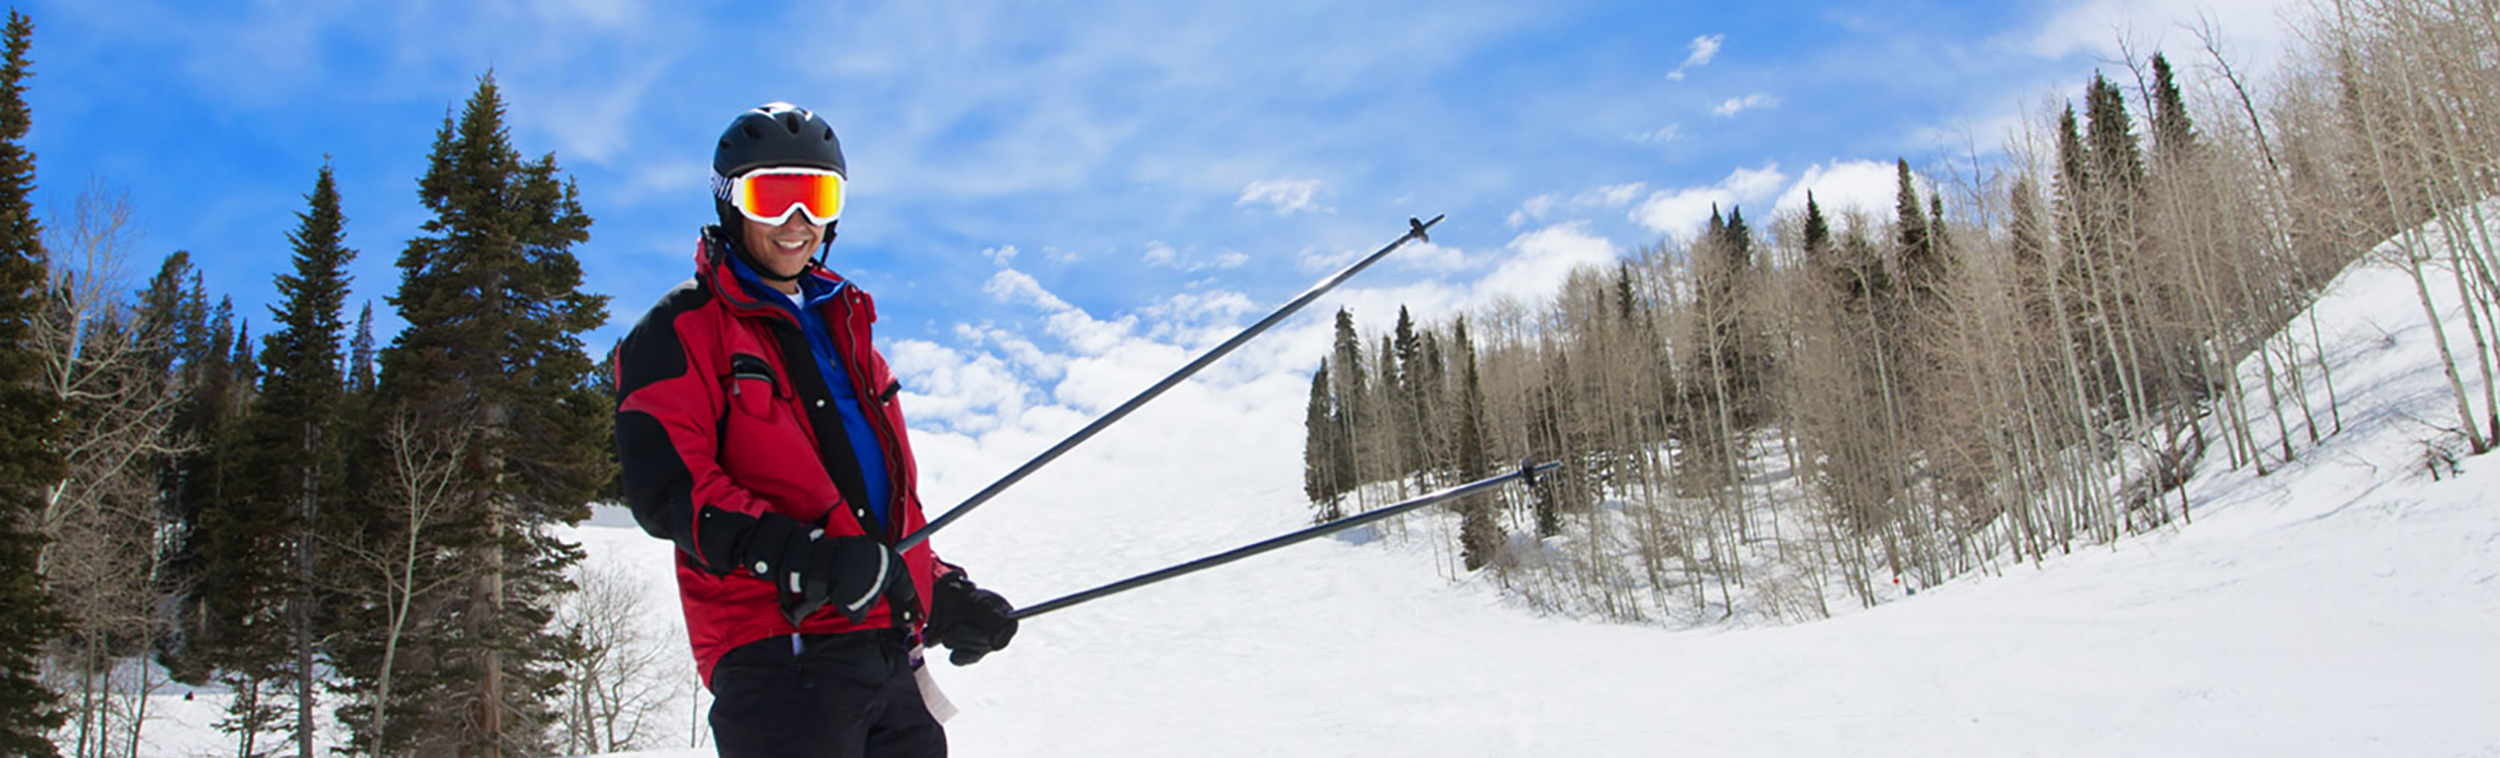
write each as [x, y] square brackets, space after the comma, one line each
[812, 571]
[970, 621]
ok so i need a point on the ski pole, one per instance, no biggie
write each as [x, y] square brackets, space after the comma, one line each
[1414, 231]
[1526, 472]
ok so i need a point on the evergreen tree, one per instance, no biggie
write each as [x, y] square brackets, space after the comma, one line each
[2073, 182]
[2174, 132]
[2028, 241]
[1748, 348]
[205, 420]
[1623, 291]
[292, 456]
[173, 319]
[492, 354]
[1817, 234]
[1408, 397]
[1939, 234]
[360, 355]
[29, 420]
[246, 369]
[1319, 437]
[1354, 414]
[2116, 159]
[1922, 266]
[1479, 534]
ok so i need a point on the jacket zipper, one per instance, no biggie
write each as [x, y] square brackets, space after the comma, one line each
[885, 432]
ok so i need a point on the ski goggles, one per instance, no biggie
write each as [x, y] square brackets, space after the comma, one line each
[770, 195]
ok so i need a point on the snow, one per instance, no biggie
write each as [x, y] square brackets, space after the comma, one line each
[2345, 604]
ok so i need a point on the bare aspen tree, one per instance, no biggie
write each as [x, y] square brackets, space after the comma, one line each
[398, 571]
[105, 557]
[616, 678]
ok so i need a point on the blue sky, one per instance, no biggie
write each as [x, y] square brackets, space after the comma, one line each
[1033, 179]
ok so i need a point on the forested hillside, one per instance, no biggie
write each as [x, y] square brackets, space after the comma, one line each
[2026, 356]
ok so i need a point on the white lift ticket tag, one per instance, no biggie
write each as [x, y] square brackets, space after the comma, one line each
[939, 707]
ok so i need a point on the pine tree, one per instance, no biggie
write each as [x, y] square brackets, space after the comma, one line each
[1408, 397]
[1479, 534]
[28, 426]
[2174, 132]
[2028, 241]
[492, 354]
[360, 354]
[292, 454]
[173, 318]
[2073, 183]
[1817, 234]
[1748, 349]
[1909, 216]
[1352, 391]
[1319, 437]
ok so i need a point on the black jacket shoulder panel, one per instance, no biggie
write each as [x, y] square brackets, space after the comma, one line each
[652, 352]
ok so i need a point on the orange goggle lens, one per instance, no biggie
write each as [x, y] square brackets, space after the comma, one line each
[771, 195]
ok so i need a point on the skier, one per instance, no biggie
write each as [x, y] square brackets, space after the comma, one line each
[759, 430]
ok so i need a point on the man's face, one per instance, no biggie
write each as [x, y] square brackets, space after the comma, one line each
[783, 250]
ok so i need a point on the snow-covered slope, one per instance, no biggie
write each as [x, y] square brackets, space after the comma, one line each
[2346, 604]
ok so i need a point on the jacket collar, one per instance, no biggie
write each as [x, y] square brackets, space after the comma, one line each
[730, 279]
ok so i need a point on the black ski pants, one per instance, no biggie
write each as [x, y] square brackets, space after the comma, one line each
[822, 696]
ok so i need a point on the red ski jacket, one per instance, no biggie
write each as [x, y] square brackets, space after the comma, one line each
[722, 416]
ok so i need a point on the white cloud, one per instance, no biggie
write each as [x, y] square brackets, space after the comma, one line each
[1537, 262]
[1534, 209]
[1288, 196]
[1609, 197]
[2252, 30]
[1871, 187]
[962, 392]
[1018, 288]
[1017, 350]
[1613, 195]
[1197, 319]
[1682, 212]
[1736, 105]
[1003, 255]
[1704, 48]
[1661, 135]
[1084, 334]
[1162, 254]
[1432, 256]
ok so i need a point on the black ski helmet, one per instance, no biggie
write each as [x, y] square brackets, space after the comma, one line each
[777, 134]
[772, 134]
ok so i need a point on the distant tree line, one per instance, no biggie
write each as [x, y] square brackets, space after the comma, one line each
[2019, 359]
[337, 530]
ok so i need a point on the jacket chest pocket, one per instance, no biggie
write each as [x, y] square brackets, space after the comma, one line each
[755, 389]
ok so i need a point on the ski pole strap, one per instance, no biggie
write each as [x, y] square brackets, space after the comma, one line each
[1415, 229]
[1527, 472]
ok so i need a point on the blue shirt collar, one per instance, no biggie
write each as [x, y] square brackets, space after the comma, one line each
[817, 289]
